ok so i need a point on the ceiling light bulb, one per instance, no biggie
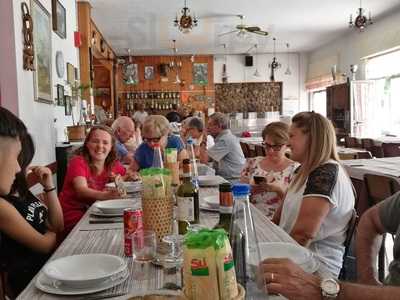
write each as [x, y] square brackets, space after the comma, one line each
[256, 73]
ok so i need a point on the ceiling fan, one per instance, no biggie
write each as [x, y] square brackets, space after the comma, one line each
[242, 29]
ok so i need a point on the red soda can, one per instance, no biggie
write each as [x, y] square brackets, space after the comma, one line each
[133, 220]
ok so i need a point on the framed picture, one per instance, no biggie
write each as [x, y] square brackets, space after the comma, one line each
[59, 19]
[149, 72]
[68, 105]
[70, 73]
[42, 36]
[60, 95]
[130, 73]
[200, 73]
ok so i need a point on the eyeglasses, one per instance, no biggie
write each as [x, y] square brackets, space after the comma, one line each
[273, 147]
[152, 140]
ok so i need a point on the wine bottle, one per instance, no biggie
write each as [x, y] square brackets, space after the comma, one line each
[187, 198]
[225, 206]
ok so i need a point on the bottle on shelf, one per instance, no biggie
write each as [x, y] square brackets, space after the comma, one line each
[244, 242]
[192, 158]
[157, 157]
[225, 206]
[187, 199]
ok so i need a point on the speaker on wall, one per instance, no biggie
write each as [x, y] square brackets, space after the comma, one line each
[248, 61]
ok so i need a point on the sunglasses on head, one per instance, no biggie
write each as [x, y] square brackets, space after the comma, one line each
[273, 147]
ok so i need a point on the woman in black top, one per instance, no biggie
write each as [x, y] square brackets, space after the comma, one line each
[28, 225]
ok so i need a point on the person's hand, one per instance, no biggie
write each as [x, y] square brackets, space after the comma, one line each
[368, 279]
[44, 175]
[273, 187]
[282, 276]
[130, 175]
[111, 193]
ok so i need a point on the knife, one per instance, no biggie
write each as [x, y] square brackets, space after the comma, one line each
[105, 221]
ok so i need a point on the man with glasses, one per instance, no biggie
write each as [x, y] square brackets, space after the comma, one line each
[124, 129]
[226, 152]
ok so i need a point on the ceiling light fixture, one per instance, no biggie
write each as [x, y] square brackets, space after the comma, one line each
[274, 64]
[185, 22]
[288, 71]
[175, 64]
[361, 21]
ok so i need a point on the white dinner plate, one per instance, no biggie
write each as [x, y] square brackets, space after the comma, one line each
[212, 201]
[45, 284]
[97, 212]
[130, 186]
[210, 180]
[84, 269]
[298, 254]
[116, 206]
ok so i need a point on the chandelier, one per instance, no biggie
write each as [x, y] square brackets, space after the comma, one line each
[186, 22]
[361, 21]
[274, 64]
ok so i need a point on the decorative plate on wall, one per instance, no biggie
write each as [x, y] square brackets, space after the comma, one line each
[60, 67]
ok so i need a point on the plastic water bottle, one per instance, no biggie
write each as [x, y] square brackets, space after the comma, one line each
[244, 242]
[193, 164]
[157, 157]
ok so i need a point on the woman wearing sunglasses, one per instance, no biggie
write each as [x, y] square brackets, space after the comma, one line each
[156, 131]
[270, 175]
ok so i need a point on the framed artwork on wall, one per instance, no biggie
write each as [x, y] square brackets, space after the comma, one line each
[70, 73]
[42, 77]
[60, 95]
[200, 73]
[130, 74]
[59, 19]
[149, 72]
[68, 105]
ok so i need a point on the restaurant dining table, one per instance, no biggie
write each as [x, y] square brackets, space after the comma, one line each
[88, 238]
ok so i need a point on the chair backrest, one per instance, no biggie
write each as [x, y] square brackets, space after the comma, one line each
[367, 143]
[364, 155]
[350, 142]
[346, 156]
[245, 149]
[391, 149]
[380, 187]
[260, 150]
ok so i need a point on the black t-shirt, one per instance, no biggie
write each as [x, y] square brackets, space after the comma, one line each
[21, 262]
[173, 116]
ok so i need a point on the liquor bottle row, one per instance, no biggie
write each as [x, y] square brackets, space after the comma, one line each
[151, 104]
[153, 95]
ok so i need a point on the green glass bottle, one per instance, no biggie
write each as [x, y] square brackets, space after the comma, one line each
[187, 199]
[225, 206]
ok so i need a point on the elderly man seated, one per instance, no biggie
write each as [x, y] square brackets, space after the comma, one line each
[124, 130]
[226, 152]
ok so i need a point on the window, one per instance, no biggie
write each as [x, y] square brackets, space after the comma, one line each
[384, 70]
[318, 102]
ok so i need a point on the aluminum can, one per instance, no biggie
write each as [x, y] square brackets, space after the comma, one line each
[133, 220]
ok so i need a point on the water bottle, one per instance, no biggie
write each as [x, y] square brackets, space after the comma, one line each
[193, 164]
[157, 157]
[244, 242]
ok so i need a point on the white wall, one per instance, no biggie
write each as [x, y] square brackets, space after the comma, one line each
[382, 35]
[293, 93]
[39, 117]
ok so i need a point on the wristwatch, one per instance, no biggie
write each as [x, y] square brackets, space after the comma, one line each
[329, 289]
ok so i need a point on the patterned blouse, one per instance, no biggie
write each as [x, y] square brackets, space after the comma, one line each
[267, 202]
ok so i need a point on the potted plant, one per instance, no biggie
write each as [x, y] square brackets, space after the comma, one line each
[77, 131]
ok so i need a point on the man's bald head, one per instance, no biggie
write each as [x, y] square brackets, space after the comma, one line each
[123, 128]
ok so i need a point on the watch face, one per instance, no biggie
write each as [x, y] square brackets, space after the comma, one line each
[330, 286]
[60, 64]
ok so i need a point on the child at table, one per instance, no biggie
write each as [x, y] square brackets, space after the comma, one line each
[29, 225]
[88, 172]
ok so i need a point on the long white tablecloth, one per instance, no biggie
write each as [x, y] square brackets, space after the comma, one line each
[389, 166]
[108, 239]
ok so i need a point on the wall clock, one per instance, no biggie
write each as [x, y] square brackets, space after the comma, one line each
[60, 67]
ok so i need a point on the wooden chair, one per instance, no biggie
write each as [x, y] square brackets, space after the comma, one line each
[246, 149]
[346, 156]
[391, 149]
[260, 150]
[380, 187]
[364, 155]
[350, 142]
[367, 143]
[343, 275]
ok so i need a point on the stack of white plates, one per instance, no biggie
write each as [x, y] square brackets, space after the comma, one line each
[82, 274]
[210, 180]
[298, 254]
[115, 206]
[210, 203]
[130, 186]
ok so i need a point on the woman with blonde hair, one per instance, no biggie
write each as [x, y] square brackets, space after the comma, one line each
[156, 131]
[270, 175]
[319, 202]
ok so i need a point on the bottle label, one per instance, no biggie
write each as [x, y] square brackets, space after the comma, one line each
[185, 209]
[225, 209]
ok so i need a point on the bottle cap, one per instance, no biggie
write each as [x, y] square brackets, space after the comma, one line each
[225, 187]
[241, 189]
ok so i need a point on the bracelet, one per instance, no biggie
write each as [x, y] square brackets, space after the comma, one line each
[49, 190]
